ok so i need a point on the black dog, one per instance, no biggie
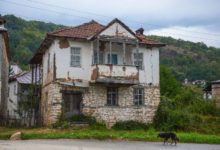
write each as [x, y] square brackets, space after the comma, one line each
[167, 136]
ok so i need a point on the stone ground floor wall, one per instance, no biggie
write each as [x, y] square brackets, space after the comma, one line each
[94, 103]
[51, 103]
[216, 93]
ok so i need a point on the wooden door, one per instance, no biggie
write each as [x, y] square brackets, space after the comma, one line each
[72, 104]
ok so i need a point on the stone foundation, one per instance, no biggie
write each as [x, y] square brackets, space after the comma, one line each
[94, 104]
[51, 103]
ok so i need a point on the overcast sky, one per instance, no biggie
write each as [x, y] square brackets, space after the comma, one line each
[195, 20]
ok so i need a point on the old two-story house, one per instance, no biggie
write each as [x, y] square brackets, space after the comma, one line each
[4, 67]
[108, 72]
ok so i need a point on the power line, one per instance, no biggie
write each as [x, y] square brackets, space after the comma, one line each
[47, 10]
[110, 17]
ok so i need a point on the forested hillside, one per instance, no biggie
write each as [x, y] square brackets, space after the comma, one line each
[185, 59]
[195, 61]
[25, 37]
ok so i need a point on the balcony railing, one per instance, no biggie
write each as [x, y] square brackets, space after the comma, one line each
[115, 74]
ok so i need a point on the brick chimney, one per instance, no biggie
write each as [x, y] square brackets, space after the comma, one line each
[140, 31]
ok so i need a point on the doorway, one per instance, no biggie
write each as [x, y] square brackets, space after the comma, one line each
[72, 104]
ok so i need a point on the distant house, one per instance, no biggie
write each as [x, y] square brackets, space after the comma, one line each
[216, 91]
[20, 90]
[15, 69]
[4, 67]
[108, 72]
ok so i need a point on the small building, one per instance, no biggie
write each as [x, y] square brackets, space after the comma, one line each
[20, 96]
[14, 69]
[216, 91]
[108, 72]
[4, 67]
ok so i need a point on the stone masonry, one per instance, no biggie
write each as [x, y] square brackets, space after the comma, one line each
[216, 93]
[51, 103]
[95, 105]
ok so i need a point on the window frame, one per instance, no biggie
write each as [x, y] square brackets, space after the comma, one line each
[113, 93]
[101, 57]
[74, 56]
[111, 61]
[139, 59]
[137, 92]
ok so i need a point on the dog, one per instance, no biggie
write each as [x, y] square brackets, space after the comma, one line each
[168, 135]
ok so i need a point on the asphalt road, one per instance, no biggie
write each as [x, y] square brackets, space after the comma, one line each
[98, 145]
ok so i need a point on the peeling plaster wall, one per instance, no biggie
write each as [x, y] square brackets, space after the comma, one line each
[63, 68]
[111, 31]
[13, 99]
[150, 73]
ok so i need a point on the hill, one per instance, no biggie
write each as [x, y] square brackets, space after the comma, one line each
[25, 37]
[195, 61]
[185, 59]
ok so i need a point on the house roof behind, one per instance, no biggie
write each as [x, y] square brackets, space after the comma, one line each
[144, 40]
[24, 77]
[215, 82]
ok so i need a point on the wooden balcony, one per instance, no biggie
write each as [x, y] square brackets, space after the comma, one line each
[115, 74]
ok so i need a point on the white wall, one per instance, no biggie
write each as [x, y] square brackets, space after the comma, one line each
[13, 99]
[150, 74]
[64, 70]
[111, 31]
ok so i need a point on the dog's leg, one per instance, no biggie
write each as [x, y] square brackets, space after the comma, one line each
[171, 143]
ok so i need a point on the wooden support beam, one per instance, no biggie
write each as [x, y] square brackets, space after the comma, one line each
[137, 51]
[124, 47]
[97, 46]
[110, 52]
[54, 67]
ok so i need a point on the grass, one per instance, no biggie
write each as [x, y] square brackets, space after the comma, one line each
[103, 134]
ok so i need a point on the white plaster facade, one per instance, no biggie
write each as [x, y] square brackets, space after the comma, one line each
[58, 76]
[12, 104]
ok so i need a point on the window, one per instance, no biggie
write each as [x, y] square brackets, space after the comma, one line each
[114, 59]
[75, 60]
[138, 96]
[138, 60]
[112, 96]
[101, 57]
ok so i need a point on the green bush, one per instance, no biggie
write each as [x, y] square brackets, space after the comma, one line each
[63, 123]
[83, 119]
[130, 125]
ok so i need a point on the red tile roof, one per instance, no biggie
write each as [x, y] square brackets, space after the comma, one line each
[83, 31]
[93, 28]
[144, 40]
